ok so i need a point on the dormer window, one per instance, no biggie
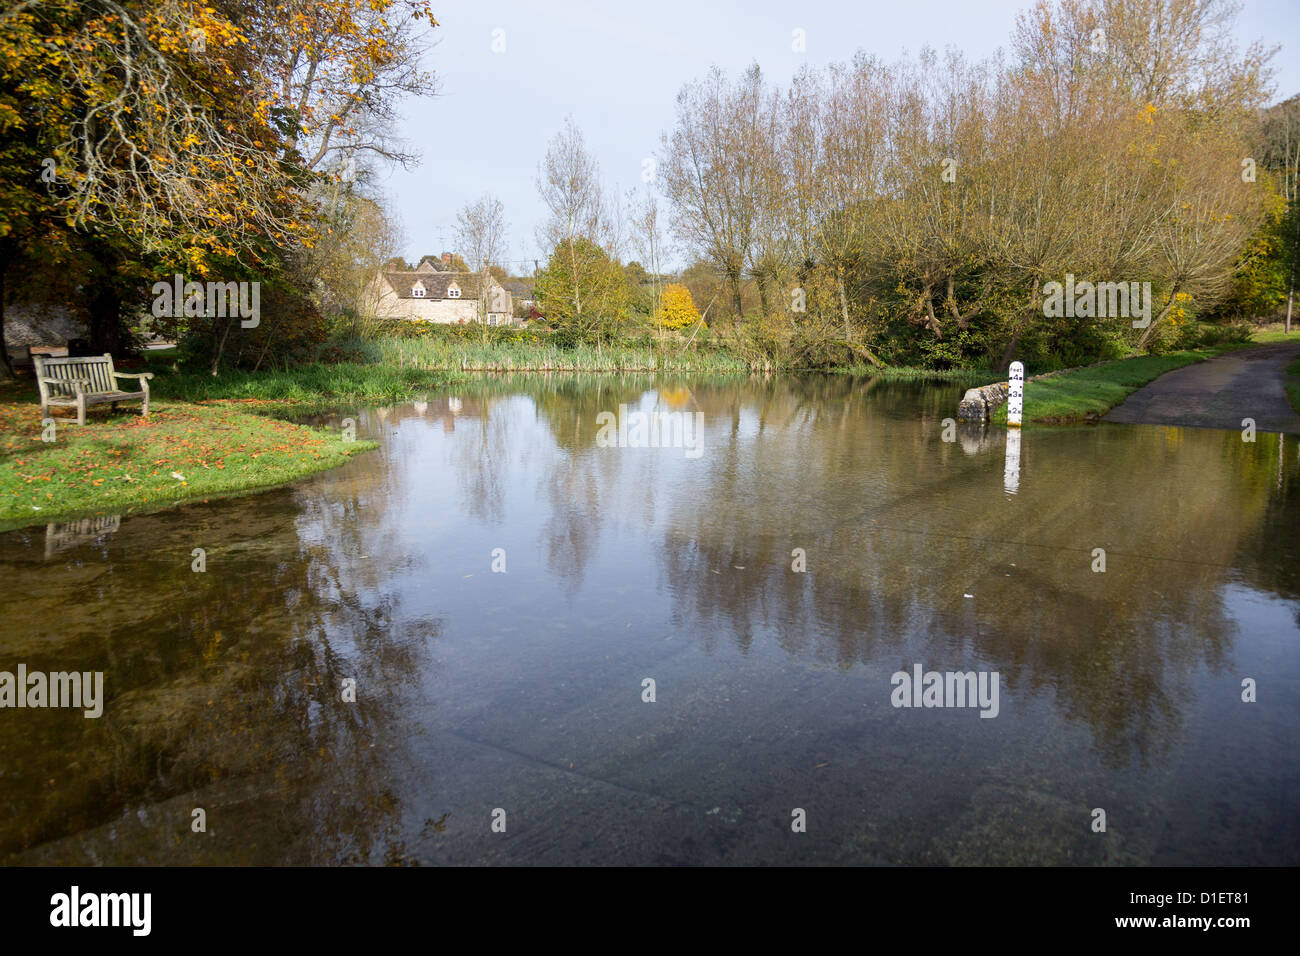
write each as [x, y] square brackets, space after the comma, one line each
[417, 290]
[453, 291]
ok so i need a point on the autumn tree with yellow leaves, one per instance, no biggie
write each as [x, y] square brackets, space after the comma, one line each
[677, 308]
[190, 136]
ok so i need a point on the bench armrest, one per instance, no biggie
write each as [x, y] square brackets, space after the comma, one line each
[78, 382]
[133, 375]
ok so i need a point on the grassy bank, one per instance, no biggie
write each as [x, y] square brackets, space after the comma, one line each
[454, 354]
[121, 462]
[893, 373]
[1085, 394]
[394, 368]
[448, 354]
[307, 385]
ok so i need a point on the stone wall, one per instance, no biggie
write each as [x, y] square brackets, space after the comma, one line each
[978, 404]
[440, 310]
[44, 325]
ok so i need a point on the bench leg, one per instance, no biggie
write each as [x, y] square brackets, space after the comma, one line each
[81, 410]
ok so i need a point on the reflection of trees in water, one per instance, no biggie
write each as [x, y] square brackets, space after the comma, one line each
[209, 707]
[570, 534]
[899, 526]
[492, 441]
[405, 469]
[579, 484]
[1270, 557]
[586, 493]
[483, 487]
[482, 449]
[568, 407]
[1123, 664]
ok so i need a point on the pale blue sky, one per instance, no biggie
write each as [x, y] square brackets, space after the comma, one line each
[617, 67]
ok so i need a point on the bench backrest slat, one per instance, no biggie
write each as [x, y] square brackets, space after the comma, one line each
[97, 370]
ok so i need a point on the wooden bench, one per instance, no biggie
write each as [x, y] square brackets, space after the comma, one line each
[84, 381]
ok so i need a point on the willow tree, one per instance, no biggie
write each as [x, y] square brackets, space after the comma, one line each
[481, 236]
[709, 176]
[578, 213]
[1108, 145]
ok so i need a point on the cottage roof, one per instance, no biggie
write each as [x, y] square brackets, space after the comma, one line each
[435, 283]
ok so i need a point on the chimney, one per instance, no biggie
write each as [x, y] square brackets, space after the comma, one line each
[446, 258]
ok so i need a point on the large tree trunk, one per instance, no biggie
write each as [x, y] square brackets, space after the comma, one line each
[866, 353]
[1010, 352]
[844, 303]
[1295, 259]
[219, 344]
[573, 275]
[931, 320]
[734, 279]
[105, 303]
[106, 319]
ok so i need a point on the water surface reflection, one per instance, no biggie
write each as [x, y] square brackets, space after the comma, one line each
[522, 691]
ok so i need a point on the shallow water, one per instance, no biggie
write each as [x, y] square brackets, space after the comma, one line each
[522, 691]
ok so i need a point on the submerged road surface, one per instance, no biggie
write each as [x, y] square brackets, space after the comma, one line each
[1219, 393]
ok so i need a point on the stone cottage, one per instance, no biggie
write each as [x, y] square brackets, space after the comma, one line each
[427, 294]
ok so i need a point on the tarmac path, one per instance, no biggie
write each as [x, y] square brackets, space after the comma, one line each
[1219, 393]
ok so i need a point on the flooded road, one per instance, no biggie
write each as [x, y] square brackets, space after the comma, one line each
[452, 636]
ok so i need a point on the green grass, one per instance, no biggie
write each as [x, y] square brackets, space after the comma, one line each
[120, 463]
[1271, 335]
